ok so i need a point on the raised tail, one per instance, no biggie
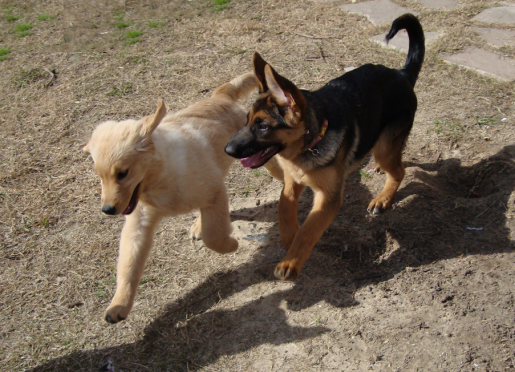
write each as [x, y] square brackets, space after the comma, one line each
[239, 87]
[417, 48]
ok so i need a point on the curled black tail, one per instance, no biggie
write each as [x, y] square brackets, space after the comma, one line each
[417, 48]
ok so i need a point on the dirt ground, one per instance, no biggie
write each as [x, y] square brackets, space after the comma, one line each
[426, 286]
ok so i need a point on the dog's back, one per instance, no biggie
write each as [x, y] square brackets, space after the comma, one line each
[192, 141]
[374, 94]
[213, 121]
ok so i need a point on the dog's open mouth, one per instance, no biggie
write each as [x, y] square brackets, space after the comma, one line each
[133, 202]
[260, 158]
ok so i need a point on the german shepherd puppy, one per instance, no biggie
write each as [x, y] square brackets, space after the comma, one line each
[320, 137]
[166, 165]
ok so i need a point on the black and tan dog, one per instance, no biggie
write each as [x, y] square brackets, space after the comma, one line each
[321, 136]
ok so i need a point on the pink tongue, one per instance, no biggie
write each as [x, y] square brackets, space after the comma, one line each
[251, 160]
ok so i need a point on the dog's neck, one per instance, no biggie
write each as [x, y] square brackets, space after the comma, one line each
[320, 136]
[316, 127]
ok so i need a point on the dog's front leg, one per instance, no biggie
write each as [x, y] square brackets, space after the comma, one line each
[288, 222]
[216, 223]
[135, 244]
[323, 213]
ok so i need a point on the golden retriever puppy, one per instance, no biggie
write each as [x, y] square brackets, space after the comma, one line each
[166, 165]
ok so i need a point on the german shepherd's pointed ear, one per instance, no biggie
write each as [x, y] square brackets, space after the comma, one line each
[151, 122]
[259, 70]
[285, 93]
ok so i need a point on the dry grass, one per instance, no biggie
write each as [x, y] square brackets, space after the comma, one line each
[58, 253]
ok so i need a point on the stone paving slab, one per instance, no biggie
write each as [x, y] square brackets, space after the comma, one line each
[385, 11]
[401, 40]
[377, 11]
[497, 37]
[497, 15]
[485, 62]
[440, 4]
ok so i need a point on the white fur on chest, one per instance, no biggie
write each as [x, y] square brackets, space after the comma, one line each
[189, 168]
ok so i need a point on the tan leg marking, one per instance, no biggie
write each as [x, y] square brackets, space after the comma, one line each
[288, 222]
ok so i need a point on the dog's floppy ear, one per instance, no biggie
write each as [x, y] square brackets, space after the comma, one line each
[151, 122]
[259, 70]
[285, 93]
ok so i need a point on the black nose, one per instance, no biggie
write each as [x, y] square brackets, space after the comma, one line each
[108, 209]
[230, 149]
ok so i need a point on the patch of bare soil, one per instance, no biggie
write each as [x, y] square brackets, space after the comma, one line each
[426, 286]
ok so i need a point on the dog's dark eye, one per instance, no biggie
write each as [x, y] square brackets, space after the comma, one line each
[122, 175]
[262, 126]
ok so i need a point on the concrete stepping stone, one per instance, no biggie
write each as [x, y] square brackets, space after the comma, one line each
[439, 4]
[485, 62]
[401, 40]
[497, 15]
[377, 11]
[497, 37]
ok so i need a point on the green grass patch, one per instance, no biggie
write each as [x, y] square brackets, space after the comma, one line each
[12, 18]
[45, 17]
[122, 25]
[486, 120]
[100, 288]
[133, 37]
[119, 92]
[220, 5]
[448, 128]
[23, 27]
[133, 34]
[47, 221]
[156, 24]
[133, 41]
[22, 30]
[365, 174]
[8, 10]
[22, 34]
[4, 54]
[220, 8]
[27, 77]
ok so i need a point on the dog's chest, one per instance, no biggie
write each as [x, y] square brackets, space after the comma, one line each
[298, 174]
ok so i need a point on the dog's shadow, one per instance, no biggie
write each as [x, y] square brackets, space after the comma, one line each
[445, 210]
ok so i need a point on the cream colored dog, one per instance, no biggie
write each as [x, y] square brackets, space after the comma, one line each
[165, 165]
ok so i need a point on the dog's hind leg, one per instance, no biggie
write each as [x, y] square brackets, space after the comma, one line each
[216, 224]
[135, 244]
[388, 154]
[196, 229]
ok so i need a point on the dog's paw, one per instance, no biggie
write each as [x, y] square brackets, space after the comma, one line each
[230, 246]
[286, 270]
[196, 230]
[116, 313]
[379, 204]
[224, 246]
